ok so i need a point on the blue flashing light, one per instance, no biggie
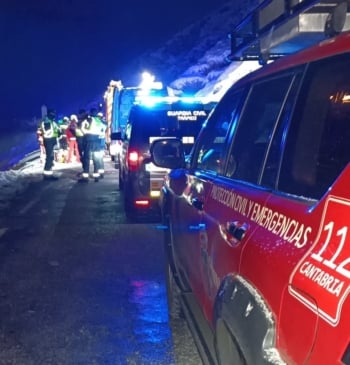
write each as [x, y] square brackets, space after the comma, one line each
[190, 99]
[153, 100]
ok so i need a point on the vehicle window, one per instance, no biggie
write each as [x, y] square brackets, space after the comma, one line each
[183, 123]
[317, 147]
[213, 138]
[256, 127]
[272, 163]
[127, 132]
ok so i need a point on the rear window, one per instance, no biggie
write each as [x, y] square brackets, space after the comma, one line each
[183, 123]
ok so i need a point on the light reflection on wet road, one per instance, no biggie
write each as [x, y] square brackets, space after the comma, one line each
[151, 320]
[80, 285]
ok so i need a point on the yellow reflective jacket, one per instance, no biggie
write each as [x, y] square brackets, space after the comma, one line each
[48, 128]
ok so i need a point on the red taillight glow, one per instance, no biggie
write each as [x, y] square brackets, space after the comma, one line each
[133, 159]
[142, 203]
[133, 156]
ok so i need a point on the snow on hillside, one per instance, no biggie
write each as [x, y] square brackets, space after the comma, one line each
[196, 58]
[15, 145]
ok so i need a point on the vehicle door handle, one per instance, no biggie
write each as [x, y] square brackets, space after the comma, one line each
[197, 203]
[237, 230]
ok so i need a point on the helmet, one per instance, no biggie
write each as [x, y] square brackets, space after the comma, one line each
[100, 115]
[51, 113]
[93, 112]
[82, 114]
[74, 117]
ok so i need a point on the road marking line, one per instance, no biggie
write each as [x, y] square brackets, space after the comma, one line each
[28, 206]
[32, 202]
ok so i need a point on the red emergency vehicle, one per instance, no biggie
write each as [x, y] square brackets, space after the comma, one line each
[257, 220]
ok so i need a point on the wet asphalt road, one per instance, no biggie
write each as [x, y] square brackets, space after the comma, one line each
[79, 285]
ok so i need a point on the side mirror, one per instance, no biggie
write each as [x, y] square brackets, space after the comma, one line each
[116, 136]
[168, 153]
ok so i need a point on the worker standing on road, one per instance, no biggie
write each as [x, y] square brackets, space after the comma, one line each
[72, 139]
[48, 130]
[92, 128]
[82, 115]
[102, 138]
[40, 138]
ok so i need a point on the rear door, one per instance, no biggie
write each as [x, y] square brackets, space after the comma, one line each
[313, 192]
[185, 121]
[237, 200]
[147, 127]
[177, 120]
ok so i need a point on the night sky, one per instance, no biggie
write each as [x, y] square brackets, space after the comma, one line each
[63, 53]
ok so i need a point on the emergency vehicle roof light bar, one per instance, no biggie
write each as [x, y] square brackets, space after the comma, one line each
[148, 82]
[151, 100]
[267, 32]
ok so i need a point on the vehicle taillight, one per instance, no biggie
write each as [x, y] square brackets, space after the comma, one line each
[133, 160]
[142, 203]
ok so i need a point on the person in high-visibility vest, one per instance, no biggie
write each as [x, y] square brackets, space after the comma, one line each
[48, 130]
[92, 128]
[82, 115]
[102, 138]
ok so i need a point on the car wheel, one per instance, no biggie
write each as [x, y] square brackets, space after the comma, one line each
[226, 347]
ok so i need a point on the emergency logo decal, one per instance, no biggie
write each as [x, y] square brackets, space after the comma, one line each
[324, 272]
[288, 228]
